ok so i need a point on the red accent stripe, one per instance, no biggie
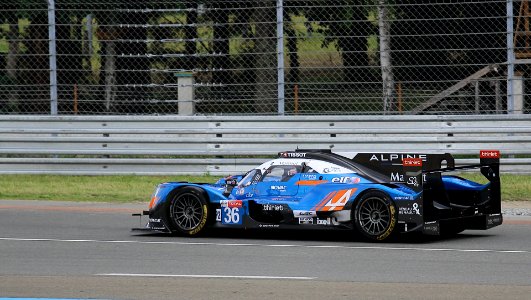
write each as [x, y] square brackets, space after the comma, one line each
[311, 182]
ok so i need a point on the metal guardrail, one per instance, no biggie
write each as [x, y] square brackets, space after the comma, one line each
[228, 145]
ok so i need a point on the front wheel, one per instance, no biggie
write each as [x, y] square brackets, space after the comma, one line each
[375, 216]
[188, 211]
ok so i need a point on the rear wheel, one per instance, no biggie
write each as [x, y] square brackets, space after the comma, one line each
[375, 216]
[188, 211]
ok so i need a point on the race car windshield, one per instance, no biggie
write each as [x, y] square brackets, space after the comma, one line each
[280, 173]
[248, 179]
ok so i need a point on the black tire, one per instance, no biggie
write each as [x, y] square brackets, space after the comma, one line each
[376, 216]
[188, 212]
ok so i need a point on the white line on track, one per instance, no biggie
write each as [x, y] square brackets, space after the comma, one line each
[208, 276]
[266, 245]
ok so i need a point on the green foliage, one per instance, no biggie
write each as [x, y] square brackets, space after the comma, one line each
[3, 45]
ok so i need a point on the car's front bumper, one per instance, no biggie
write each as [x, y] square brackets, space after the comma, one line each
[152, 224]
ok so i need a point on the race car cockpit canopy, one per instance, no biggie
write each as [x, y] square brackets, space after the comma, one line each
[283, 169]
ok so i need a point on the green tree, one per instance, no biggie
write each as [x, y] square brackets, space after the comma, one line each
[346, 23]
[10, 16]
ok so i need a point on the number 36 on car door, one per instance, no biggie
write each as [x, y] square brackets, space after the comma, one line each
[231, 212]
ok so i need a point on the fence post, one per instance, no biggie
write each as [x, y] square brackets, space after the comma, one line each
[185, 93]
[519, 93]
[89, 35]
[510, 58]
[280, 55]
[53, 57]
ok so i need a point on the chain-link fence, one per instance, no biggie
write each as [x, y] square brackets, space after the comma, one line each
[264, 57]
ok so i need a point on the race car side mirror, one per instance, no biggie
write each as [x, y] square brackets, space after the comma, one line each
[229, 186]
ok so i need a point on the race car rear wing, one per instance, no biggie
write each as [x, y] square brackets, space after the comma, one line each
[389, 167]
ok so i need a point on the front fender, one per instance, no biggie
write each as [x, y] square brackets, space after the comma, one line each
[163, 192]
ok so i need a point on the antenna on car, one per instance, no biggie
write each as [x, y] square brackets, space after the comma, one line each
[314, 150]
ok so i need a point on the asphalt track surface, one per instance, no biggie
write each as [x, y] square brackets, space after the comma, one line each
[72, 250]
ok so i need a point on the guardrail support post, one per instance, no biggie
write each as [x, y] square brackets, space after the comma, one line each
[185, 93]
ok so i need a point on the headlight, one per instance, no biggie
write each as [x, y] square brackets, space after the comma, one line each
[155, 197]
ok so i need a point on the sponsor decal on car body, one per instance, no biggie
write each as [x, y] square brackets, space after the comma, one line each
[335, 201]
[279, 187]
[409, 210]
[268, 225]
[391, 157]
[305, 220]
[412, 162]
[231, 203]
[272, 207]
[304, 213]
[489, 154]
[293, 154]
[326, 221]
[346, 179]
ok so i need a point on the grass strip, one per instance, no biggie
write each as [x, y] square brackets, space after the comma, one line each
[514, 187]
[113, 188]
[133, 188]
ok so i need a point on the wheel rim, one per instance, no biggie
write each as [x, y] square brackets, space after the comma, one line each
[374, 216]
[187, 211]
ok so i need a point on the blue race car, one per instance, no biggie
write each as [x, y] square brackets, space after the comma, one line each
[376, 194]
